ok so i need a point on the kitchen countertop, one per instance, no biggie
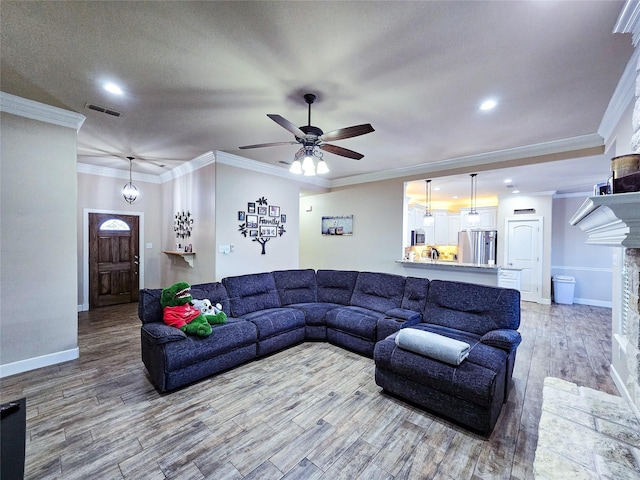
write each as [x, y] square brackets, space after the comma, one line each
[449, 265]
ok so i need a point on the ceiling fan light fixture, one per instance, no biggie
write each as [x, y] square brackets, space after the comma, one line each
[307, 166]
[322, 167]
[296, 167]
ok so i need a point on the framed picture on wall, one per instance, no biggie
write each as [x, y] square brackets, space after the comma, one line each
[241, 216]
[283, 218]
[252, 221]
[253, 233]
[262, 211]
[274, 211]
[337, 225]
[251, 207]
[267, 231]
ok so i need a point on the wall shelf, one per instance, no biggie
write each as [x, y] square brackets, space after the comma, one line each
[186, 256]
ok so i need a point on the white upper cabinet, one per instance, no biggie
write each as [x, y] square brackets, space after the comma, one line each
[488, 218]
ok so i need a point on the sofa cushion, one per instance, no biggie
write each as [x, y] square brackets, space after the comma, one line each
[251, 293]
[315, 313]
[213, 291]
[357, 321]
[473, 308]
[378, 291]
[149, 309]
[415, 294]
[224, 338]
[335, 286]
[296, 286]
[273, 321]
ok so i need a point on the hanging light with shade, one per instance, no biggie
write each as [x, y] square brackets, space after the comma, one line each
[473, 217]
[428, 219]
[130, 191]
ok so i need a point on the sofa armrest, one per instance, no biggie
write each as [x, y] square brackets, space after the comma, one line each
[161, 333]
[409, 317]
[505, 339]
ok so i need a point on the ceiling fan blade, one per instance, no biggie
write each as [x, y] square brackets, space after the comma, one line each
[260, 145]
[284, 123]
[348, 132]
[343, 152]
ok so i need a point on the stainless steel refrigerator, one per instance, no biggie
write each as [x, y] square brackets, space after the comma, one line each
[477, 246]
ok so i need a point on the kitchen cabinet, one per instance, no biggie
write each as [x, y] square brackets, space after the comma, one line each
[440, 228]
[508, 278]
[488, 218]
[453, 227]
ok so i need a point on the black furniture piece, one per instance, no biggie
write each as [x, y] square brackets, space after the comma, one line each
[13, 426]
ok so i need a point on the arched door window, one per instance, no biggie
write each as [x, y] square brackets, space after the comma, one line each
[114, 225]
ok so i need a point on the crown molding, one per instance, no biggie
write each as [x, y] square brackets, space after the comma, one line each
[191, 166]
[39, 111]
[622, 97]
[535, 150]
[629, 20]
[247, 164]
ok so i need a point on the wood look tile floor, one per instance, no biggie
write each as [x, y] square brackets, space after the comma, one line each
[310, 412]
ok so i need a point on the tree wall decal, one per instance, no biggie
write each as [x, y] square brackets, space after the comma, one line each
[262, 222]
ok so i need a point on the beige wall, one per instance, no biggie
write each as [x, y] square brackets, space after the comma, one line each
[234, 188]
[38, 249]
[193, 192]
[376, 243]
[98, 193]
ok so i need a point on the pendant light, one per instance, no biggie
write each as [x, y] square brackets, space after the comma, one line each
[428, 219]
[473, 217]
[129, 191]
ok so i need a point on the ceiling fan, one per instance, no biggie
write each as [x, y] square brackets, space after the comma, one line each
[310, 137]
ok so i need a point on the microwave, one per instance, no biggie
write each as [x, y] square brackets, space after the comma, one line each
[417, 237]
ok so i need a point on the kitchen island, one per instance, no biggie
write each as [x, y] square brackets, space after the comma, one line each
[451, 270]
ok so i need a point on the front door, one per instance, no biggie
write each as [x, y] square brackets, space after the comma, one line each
[523, 250]
[113, 259]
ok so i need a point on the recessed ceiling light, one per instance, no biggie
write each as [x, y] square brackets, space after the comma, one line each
[113, 88]
[508, 180]
[488, 104]
[516, 191]
[437, 189]
[455, 196]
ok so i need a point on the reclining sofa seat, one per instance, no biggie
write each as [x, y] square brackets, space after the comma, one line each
[254, 297]
[174, 359]
[354, 325]
[473, 392]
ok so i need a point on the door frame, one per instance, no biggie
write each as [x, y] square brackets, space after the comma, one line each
[540, 221]
[85, 249]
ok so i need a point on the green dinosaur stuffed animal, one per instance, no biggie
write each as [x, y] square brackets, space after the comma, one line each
[177, 311]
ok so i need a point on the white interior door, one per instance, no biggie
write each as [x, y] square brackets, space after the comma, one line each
[523, 250]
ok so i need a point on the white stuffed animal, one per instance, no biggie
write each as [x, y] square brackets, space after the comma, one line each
[206, 307]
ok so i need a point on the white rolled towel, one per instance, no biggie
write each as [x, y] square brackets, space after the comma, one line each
[432, 345]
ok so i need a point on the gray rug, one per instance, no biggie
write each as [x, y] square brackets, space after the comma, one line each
[586, 434]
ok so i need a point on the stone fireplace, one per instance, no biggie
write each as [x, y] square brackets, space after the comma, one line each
[614, 220]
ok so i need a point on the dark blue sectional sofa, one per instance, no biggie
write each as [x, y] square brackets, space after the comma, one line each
[359, 311]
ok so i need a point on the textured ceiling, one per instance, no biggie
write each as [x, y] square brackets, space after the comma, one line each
[201, 76]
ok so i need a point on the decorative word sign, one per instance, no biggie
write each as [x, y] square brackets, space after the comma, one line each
[262, 222]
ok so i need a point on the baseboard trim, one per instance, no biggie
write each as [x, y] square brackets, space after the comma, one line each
[594, 303]
[38, 362]
[624, 393]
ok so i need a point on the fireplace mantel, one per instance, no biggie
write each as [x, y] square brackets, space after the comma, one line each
[611, 220]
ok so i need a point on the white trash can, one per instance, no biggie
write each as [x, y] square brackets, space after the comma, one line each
[563, 289]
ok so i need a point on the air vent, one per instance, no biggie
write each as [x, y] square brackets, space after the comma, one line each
[101, 109]
[523, 211]
[511, 185]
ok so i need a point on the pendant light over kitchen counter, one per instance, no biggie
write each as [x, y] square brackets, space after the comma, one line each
[473, 217]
